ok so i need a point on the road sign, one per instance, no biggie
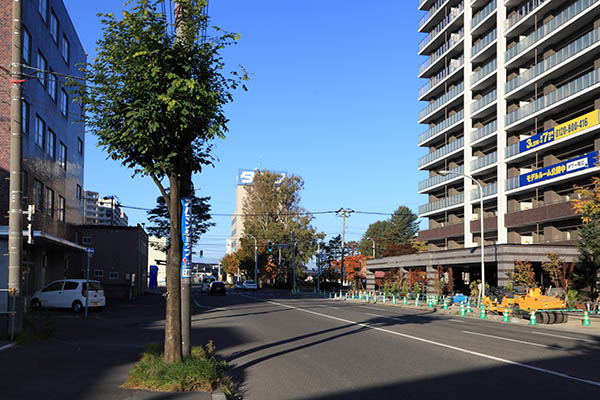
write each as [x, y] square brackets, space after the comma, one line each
[89, 251]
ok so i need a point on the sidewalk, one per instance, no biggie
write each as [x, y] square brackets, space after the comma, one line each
[88, 359]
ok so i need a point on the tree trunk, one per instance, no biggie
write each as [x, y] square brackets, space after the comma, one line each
[173, 316]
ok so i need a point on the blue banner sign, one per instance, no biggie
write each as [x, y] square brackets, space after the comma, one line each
[186, 229]
[566, 167]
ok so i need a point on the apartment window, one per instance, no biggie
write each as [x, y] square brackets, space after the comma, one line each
[113, 275]
[78, 193]
[40, 128]
[65, 49]
[53, 26]
[62, 156]
[79, 146]
[42, 66]
[87, 240]
[43, 9]
[52, 86]
[50, 143]
[98, 273]
[26, 47]
[49, 202]
[38, 195]
[24, 117]
[61, 208]
[64, 102]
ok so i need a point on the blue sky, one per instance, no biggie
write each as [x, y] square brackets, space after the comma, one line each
[332, 98]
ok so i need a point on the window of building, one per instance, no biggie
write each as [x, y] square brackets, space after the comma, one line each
[52, 86]
[53, 26]
[40, 130]
[78, 193]
[49, 202]
[42, 66]
[64, 102]
[26, 47]
[24, 117]
[65, 49]
[98, 273]
[113, 275]
[38, 195]
[62, 205]
[62, 156]
[79, 146]
[43, 9]
[50, 143]
[87, 240]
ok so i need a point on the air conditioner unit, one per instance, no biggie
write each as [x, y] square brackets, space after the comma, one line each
[527, 239]
[526, 205]
[454, 37]
[524, 170]
[455, 63]
[523, 103]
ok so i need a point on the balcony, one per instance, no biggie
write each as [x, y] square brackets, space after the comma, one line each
[567, 52]
[522, 12]
[448, 96]
[546, 213]
[438, 5]
[441, 51]
[455, 12]
[484, 101]
[436, 180]
[484, 161]
[484, 71]
[479, 46]
[445, 231]
[442, 126]
[441, 152]
[560, 20]
[484, 12]
[570, 89]
[488, 190]
[442, 204]
[484, 131]
[455, 65]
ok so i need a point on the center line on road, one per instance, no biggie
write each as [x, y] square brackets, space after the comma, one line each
[447, 346]
[513, 340]
[385, 316]
[456, 320]
[565, 337]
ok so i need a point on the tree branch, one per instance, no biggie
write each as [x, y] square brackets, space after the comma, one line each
[163, 192]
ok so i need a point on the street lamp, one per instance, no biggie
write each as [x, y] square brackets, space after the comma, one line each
[373, 246]
[255, 258]
[446, 173]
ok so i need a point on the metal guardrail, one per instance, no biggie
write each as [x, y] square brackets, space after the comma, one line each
[12, 311]
[489, 38]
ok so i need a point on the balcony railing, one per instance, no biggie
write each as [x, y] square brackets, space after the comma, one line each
[443, 74]
[484, 131]
[427, 183]
[443, 203]
[449, 95]
[512, 150]
[522, 12]
[484, 12]
[484, 71]
[566, 52]
[484, 161]
[563, 17]
[489, 38]
[441, 152]
[454, 12]
[484, 101]
[434, 130]
[438, 4]
[440, 51]
[571, 88]
[488, 190]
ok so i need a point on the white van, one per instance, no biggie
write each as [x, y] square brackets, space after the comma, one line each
[206, 281]
[69, 293]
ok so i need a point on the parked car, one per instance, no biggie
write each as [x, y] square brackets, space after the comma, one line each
[69, 293]
[206, 281]
[238, 285]
[249, 285]
[217, 287]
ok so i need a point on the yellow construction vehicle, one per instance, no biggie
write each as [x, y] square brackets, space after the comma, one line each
[548, 309]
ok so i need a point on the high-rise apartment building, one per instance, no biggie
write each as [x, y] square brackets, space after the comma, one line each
[512, 93]
[103, 211]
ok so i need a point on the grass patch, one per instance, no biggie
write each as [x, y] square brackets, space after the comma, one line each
[201, 371]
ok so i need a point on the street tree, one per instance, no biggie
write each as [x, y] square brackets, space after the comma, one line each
[230, 264]
[155, 101]
[393, 236]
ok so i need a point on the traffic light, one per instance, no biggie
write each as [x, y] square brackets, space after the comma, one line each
[201, 253]
[270, 247]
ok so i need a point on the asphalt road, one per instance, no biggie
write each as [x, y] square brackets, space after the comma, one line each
[310, 348]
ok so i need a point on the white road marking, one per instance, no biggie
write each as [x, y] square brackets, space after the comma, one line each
[385, 316]
[513, 340]
[447, 346]
[456, 320]
[7, 346]
[565, 337]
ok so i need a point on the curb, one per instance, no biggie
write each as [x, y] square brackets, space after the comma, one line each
[7, 346]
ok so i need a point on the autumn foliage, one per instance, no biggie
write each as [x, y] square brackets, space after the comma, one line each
[354, 268]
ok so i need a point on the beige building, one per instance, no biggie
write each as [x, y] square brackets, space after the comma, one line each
[158, 258]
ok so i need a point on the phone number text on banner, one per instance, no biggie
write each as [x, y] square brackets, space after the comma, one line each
[566, 167]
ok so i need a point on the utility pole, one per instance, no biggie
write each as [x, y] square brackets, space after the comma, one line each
[318, 266]
[294, 259]
[15, 223]
[345, 212]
